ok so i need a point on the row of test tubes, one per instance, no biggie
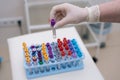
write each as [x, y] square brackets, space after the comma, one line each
[27, 55]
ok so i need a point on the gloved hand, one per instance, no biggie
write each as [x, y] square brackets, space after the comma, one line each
[68, 13]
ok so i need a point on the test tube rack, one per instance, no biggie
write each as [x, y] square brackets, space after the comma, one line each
[52, 58]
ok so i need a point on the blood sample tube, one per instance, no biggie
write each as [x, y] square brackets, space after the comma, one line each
[46, 60]
[28, 62]
[34, 58]
[53, 28]
[69, 57]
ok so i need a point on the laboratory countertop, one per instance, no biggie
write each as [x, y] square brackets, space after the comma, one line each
[90, 71]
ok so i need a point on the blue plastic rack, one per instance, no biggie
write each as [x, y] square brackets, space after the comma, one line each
[36, 65]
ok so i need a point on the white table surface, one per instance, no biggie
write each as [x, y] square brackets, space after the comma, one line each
[90, 71]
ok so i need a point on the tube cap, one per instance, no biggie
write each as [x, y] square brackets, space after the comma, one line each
[52, 22]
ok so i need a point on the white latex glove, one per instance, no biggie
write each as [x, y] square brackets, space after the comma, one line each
[70, 14]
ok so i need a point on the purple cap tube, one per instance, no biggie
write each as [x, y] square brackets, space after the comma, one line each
[53, 28]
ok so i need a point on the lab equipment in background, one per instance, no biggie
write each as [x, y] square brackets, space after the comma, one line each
[37, 11]
[94, 37]
[101, 30]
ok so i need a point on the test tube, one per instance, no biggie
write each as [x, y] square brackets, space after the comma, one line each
[38, 48]
[42, 69]
[43, 51]
[25, 49]
[58, 66]
[40, 58]
[51, 56]
[74, 56]
[53, 28]
[24, 44]
[27, 54]
[63, 58]
[43, 44]
[28, 62]
[63, 55]
[58, 58]
[49, 51]
[46, 60]
[69, 57]
[34, 58]
[33, 51]
[36, 70]
[40, 61]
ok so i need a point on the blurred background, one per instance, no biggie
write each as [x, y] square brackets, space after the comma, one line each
[19, 17]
